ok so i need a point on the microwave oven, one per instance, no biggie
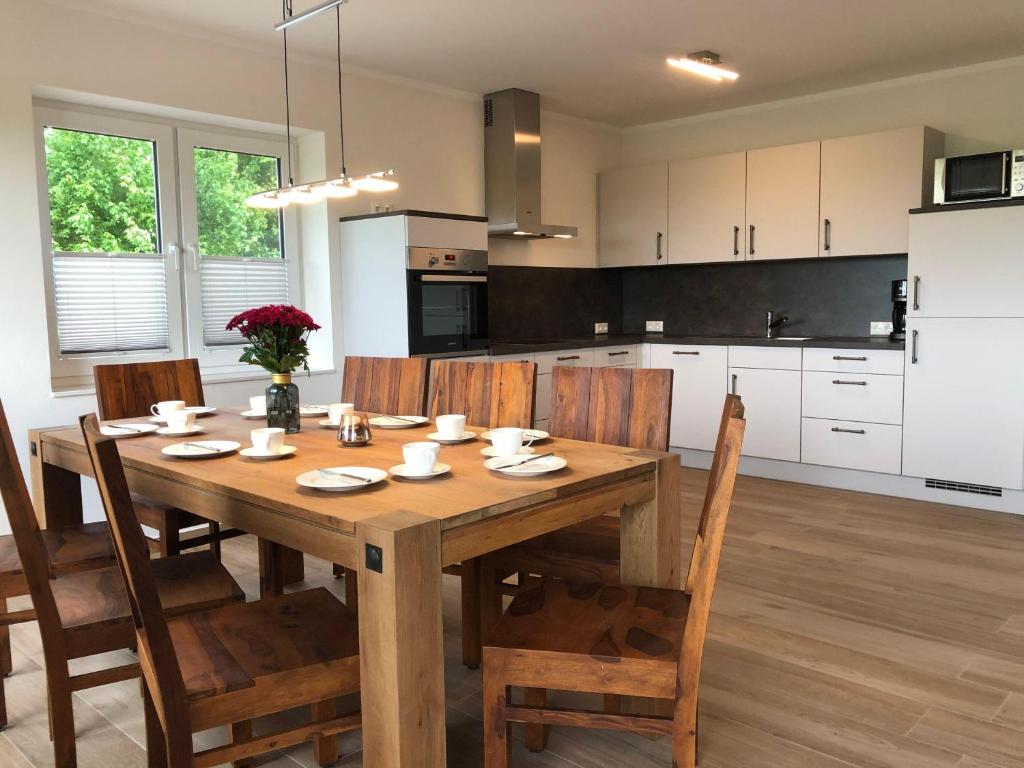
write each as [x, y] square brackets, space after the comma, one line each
[974, 178]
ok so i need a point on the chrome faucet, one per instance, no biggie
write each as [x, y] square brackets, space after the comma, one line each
[771, 324]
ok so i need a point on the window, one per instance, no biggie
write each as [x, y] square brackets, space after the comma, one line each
[120, 196]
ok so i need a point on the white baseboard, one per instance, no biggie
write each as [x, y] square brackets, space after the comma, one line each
[866, 482]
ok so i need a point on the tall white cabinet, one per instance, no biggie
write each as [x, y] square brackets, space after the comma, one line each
[782, 201]
[707, 218]
[633, 224]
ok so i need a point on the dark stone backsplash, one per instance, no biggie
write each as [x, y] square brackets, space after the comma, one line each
[822, 297]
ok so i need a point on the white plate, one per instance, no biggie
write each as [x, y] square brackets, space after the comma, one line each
[252, 453]
[185, 451]
[530, 434]
[401, 422]
[328, 424]
[136, 430]
[254, 414]
[490, 450]
[321, 482]
[198, 410]
[437, 437]
[312, 410]
[168, 432]
[530, 469]
[400, 470]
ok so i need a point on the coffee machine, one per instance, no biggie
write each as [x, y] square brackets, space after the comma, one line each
[899, 310]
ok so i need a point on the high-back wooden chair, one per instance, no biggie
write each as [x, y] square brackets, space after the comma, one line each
[388, 385]
[127, 391]
[614, 639]
[489, 394]
[206, 670]
[81, 611]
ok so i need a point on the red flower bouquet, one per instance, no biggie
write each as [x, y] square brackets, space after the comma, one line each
[277, 336]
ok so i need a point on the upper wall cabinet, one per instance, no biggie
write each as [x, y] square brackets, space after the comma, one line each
[633, 216]
[868, 183]
[782, 201]
[707, 209]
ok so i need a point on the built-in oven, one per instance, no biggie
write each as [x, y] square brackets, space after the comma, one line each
[447, 294]
[973, 178]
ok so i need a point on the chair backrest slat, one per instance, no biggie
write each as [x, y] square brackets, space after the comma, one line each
[489, 394]
[390, 385]
[616, 406]
[128, 390]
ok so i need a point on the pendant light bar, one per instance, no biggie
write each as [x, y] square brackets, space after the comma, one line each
[308, 14]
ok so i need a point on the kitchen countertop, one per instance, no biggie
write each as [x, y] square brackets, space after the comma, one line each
[825, 342]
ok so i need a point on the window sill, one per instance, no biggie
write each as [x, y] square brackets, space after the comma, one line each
[208, 378]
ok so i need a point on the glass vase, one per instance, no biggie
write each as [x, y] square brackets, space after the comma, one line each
[283, 403]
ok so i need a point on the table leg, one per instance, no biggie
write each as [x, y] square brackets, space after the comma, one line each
[400, 642]
[651, 532]
[279, 566]
[56, 492]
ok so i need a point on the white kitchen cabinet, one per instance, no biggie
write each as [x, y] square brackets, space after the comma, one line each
[633, 222]
[574, 358]
[772, 402]
[884, 361]
[964, 407]
[699, 376]
[625, 356]
[786, 358]
[853, 397]
[707, 209]
[868, 183]
[966, 263]
[852, 445]
[782, 201]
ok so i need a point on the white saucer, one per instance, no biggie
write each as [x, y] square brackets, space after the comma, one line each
[328, 424]
[400, 470]
[312, 410]
[198, 410]
[437, 437]
[490, 450]
[132, 430]
[529, 434]
[168, 432]
[253, 414]
[399, 422]
[530, 469]
[186, 451]
[252, 453]
[321, 482]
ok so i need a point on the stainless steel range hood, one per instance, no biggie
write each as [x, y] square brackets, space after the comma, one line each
[512, 167]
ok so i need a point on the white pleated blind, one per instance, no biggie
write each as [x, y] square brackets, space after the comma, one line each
[110, 302]
[233, 285]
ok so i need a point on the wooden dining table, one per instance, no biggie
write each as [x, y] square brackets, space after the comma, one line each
[397, 535]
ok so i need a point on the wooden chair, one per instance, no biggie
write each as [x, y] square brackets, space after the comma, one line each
[612, 639]
[231, 664]
[83, 612]
[127, 391]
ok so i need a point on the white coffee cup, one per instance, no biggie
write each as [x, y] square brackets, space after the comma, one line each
[508, 441]
[267, 439]
[167, 406]
[420, 458]
[258, 404]
[451, 426]
[336, 410]
[181, 421]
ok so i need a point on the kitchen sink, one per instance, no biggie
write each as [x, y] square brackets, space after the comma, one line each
[789, 338]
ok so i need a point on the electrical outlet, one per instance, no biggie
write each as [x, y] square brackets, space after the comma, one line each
[879, 328]
[600, 328]
[655, 326]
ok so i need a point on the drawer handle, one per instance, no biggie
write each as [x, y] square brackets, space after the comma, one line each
[614, 354]
[845, 357]
[852, 383]
[679, 352]
[567, 357]
[734, 378]
[849, 431]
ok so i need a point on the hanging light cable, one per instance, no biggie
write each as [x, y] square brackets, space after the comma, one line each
[339, 187]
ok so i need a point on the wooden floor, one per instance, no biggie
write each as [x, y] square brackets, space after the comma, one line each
[848, 630]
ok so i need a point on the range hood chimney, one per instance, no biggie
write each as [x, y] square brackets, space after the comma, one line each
[512, 167]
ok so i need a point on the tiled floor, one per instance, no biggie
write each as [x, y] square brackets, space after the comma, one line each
[848, 630]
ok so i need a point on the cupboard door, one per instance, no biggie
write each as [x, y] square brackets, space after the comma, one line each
[782, 201]
[633, 222]
[707, 209]
[699, 376]
[772, 402]
[868, 183]
[963, 415]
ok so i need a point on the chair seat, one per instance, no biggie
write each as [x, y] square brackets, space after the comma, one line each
[76, 547]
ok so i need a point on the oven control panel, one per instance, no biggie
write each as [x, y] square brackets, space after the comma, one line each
[1017, 174]
[447, 259]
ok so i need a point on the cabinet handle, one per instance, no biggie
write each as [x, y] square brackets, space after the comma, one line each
[855, 383]
[861, 359]
[828, 234]
[751, 239]
[678, 352]
[657, 244]
[734, 383]
[849, 431]
[614, 354]
[735, 241]
[913, 348]
[567, 357]
[917, 292]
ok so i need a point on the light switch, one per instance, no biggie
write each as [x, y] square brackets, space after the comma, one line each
[655, 326]
[880, 328]
[600, 328]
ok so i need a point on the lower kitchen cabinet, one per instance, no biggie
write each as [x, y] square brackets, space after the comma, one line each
[852, 445]
[699, 375]
[772, 402]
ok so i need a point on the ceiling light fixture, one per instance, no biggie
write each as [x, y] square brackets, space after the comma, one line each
[344, 185]
[706, 64]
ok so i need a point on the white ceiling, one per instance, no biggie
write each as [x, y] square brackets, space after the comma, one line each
[605, 59]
